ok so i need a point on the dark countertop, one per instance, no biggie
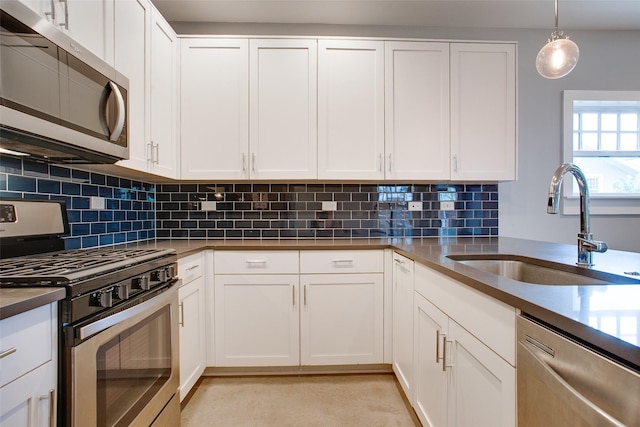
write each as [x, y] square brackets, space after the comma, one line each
[606, 316]
[18, 300]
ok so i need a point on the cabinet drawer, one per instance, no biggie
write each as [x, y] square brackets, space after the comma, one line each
[341, 261]
[190, 267]
[26, 342]
[256, 262]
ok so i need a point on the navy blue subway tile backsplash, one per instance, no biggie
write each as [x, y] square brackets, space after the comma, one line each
[128, 216]
[138, 211]
[282, 211]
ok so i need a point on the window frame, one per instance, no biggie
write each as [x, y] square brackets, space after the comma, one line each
[600, 204]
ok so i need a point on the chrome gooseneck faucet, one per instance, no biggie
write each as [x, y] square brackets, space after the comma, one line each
[586, 244]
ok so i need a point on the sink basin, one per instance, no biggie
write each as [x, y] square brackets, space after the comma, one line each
[540, 272]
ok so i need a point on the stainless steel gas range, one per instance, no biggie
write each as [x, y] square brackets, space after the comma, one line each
[118, 325]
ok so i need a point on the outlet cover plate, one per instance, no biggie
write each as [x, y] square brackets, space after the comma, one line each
[329, 206]
[415, 206]
[207, 206]
[97, 203]
[447, 206]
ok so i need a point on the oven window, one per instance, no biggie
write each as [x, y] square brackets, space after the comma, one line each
[132, 367]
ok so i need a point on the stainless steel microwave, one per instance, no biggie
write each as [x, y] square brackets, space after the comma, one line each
[58, 101]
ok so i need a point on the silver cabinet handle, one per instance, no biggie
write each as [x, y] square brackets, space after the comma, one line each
[380, 162]
[438, 335]
[293, 297]
[244, 162]
[120, 112]
[52, 14]
[342, 261]
[65, 24]
[398, 261]
[253, 162]
[8, 352]
[52, 406]
[444, 354]
[455, 163]
[256, 261]
[181, 308]
[588, 410]
[156, 147]
[389, 158]
[193, 267]
[305, 294]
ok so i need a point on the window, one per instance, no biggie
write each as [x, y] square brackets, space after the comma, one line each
[602, 137]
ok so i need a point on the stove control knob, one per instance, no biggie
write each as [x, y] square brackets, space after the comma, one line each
[142, 282]
[105, 298]
[159, 275]
[121, 291]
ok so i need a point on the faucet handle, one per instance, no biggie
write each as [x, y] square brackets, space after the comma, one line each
[593, 245]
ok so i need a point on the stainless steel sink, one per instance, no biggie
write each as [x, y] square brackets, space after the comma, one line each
[541, 272]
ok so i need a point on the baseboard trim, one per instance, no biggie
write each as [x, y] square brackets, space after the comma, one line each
[378, 368]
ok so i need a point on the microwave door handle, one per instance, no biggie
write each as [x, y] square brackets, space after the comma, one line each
[120, 112]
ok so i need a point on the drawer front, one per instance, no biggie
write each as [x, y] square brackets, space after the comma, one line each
[191, 267]
[256, 262]
[341, 261]
[26, 342]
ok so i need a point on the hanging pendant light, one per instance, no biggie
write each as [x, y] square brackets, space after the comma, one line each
[559, 56]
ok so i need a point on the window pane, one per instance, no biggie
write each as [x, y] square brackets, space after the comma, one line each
[628, 122]
[609, 141]
[629, 141]
[576, 141]
[614, 174]
[590, 141]
[589, 121]
[609, 121]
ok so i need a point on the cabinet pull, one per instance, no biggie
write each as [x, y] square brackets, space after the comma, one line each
[455, 163]
[293, 288]
[253, 162]
[52, 406]
[389, 162]
[256, 261]
[342, 261]
[444, 354]
[305, 295]
[8, 352]
[244, 162]
[398, 261]
[52, 14]
[65, 24]
[157, 150]
[181, 307]
[438, 335]
[380, 162]
[193, 267]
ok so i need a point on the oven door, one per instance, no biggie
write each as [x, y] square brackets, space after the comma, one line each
[126, 372]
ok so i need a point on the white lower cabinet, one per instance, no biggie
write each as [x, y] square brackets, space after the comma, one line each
[191, 316]
[459, 379]
[403, 277]
[28, 368]
[341, 319]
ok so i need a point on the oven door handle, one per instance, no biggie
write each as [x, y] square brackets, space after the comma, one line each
[160, 300]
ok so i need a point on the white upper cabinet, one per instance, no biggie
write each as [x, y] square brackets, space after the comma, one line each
[350, 109]
[483, 111]
[214, 107]
[91, 23]
[417, 111]
[132, 58]
[164, 98]
[283, 130]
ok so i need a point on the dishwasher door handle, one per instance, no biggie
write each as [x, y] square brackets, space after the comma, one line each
[527, 359]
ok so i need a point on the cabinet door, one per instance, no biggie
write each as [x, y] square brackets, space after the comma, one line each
[341, 321]
[417, 110]
[164, 96]
[91, 23]
[132, 50]
[430, 331]
[192, 334]
[30, 400]
[214, 108]
[351, 109]
[403, 322]
[257, 320]
[483, 385]
[283, 130]
[483, 111]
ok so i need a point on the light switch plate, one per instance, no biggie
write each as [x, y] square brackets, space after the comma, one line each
[207, 206]
[447, 206]
[415, 206]
[97, 203]
[329, 206]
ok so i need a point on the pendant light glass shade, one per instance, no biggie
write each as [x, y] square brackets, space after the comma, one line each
[558, 56]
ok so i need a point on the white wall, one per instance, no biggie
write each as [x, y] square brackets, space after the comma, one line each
[609, 60]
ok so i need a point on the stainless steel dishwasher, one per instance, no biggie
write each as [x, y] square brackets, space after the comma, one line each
[562, 383]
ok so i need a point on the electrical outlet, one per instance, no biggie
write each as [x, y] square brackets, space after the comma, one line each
[415, 206]
[97, 203]
[447, 206]
[207, 206]
[329, 206]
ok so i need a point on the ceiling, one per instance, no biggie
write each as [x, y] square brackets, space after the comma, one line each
[530, 14]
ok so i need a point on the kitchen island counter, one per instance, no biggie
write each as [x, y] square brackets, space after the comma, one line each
[605, 316]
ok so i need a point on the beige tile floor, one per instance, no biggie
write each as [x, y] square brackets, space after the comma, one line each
[369, 400]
